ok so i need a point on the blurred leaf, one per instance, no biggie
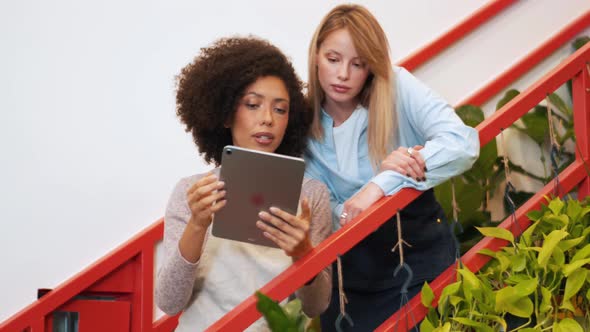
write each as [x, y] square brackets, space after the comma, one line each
[499, 233]
[549, 245]
[579, 42]
[556, 100]
[472, 323]
[567, 325]
[536, 125]
[574, 283]
[508, 96]
[273, 313]
[427, 295]
[508, 300]
[470, 114]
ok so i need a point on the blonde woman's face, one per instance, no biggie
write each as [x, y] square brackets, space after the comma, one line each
[341, 71]
[262, 115]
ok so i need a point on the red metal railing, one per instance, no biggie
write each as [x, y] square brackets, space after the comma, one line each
[127, 272]
[576, 68]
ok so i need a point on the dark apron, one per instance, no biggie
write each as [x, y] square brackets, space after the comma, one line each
[367, 269]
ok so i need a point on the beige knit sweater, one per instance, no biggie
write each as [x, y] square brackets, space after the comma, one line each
[230, 271]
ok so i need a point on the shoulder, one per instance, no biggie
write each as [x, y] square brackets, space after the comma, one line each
[311, 185]
[315, 191]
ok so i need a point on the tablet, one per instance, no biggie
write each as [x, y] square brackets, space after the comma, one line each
[255, 181]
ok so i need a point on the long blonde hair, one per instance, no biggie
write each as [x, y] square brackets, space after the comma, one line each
[378, 94]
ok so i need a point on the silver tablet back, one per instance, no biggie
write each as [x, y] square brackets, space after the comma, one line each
[255, 181]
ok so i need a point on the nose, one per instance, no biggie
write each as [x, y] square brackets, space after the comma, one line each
[343, 71]
[266, 116]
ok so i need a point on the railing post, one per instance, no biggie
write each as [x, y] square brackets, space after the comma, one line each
[581, 106]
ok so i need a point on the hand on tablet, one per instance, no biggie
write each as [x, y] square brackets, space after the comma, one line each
[201, 196]
[290, 233]
[406, 161]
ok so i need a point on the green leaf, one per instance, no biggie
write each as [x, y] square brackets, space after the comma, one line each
[566, 245]
[556, 205]
[273, 313]
[558, 221]
[426, 326]
[518, 262]
[508, 96]
[526, 287]
[582, 253]
[549, 245]
[574, 283]
[536, 125]
[556, 100]
[445, 328]
[580, 41]
[427, 295]
[293, 309]
[507, 300]
[570, 268]
[567, 325]
[499, 233]
[469, 322]
[450, 289]
[470, 114]
[546, 304]
[558, 256]
[534, 215]
[528, 233]
[574, 210]
[487, 252]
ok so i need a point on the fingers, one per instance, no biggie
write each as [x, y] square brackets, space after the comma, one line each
[418, 157]
[205, 198]
[410, 165]
[204, 187]
[289, 232]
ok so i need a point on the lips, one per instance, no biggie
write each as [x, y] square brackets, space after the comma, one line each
[340, 88]
[263, 138]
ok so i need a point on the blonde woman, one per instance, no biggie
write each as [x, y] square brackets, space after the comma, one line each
[377, 129]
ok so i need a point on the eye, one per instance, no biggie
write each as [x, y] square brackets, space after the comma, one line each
[332, 60]
[281, 110]
[252, 106]
[359, 64]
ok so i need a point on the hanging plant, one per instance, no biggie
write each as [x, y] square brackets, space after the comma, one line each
[543, 278]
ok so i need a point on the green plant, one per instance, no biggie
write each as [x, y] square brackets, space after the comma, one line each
[286, 318]
[475, 188]
[542, 277]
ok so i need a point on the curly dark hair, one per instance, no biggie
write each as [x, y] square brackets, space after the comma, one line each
[210, 87]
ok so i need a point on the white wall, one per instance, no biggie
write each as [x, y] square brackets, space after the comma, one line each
[89, 141]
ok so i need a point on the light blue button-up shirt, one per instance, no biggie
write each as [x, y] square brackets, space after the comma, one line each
[450, 147]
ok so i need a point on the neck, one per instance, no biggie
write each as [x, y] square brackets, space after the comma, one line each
[340, 112]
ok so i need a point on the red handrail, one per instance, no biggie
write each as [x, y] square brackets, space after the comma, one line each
[576, 68]
[470, 24]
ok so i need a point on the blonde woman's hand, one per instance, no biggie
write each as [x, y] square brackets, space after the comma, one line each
[205, 197]
[406, 161]
[360, 202]
[289, 232]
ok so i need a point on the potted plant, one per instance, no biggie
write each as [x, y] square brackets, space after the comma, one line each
[542, 277]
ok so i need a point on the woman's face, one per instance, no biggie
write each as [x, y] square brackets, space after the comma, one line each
[341, 72]
[262, 115]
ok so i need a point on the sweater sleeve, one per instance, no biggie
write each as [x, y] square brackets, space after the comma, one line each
[450, 146]
[315, 297]
[176, 276]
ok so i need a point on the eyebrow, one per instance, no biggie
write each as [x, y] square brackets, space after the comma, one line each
[262, 96]
[358, 57]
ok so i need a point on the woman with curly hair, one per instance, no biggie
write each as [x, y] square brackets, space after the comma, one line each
[243, 92]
